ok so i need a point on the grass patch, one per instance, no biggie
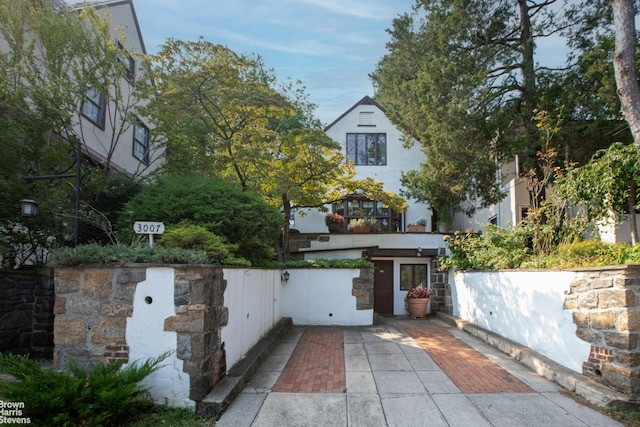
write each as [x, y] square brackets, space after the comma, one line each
[627, 413]
[165, 416]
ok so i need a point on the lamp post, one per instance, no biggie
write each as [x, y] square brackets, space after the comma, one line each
[29, 208]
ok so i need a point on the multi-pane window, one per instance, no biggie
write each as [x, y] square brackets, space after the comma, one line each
[141, 143]
[353, 208]
[412, 275]
[127, 61]
[367, 148]
[93, 107]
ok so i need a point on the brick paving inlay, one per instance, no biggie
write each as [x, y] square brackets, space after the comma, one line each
[469, 370]
[316, 365]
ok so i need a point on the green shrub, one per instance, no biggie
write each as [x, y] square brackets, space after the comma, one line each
[496, 249]
[329, 263]
[106, 396]
[120, 254]
[241, 217]
[197, 237]
[588, 253]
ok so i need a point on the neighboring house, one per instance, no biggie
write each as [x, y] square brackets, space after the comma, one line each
[108, 138]
[514, 207]
[505, 214]
[402, 259]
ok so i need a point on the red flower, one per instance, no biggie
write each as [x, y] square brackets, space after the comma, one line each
[418, 292]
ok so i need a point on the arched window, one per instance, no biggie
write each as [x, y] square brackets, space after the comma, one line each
[359, 207]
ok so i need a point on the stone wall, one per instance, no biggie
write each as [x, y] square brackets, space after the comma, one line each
[606, 309]
[440, 288]
[26, 312]
[93, 304]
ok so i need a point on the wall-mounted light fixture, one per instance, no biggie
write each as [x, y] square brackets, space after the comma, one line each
[285, 276]
[419, 251]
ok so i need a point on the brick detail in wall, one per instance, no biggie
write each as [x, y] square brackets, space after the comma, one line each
[605, 307]
[592, 368]
[115, 353]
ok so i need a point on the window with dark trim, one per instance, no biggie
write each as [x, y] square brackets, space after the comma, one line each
[367, 149]
[93, 107]
[141, 143]
[357, 207]
[127, 61]
[412, 275]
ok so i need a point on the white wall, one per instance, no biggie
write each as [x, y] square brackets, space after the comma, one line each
[153, 302]
[253, 298]
[526, 307]
[256, 300]
[323, 297]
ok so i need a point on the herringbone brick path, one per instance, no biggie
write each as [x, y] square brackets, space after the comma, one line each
[316, 365]
[469, 370]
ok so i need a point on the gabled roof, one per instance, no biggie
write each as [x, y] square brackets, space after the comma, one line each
[109, 3]
[367, 100]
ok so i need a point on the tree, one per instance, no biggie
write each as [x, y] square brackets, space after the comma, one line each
[224, 115]
[624, 62]
[465, 92]
[606, 185]
[214, 108]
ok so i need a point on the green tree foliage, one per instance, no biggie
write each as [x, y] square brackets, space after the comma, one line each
[50, 58]
[466, 92]
[241, 217]
[606, 185]
[223, 116]
[214, 108]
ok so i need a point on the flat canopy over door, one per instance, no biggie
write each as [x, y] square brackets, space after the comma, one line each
[383, 287]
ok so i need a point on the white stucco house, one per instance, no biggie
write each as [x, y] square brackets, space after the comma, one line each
[402, 258]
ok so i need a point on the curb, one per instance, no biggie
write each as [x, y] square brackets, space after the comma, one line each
[232, 384]
[593, 392]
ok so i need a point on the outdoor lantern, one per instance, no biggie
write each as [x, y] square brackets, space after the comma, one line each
[419, 251]
[28, 208]
[285, 276]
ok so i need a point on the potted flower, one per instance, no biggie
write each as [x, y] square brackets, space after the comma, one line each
[334, 222]
[361, 225]
[418, 227]
[417, 300]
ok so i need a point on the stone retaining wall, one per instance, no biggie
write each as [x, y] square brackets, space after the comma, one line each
[26, 312]
[606, 309]
[93, 304]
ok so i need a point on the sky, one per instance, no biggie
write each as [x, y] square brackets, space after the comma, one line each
[330, 46]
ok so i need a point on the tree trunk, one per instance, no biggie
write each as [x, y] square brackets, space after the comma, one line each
[624, 64]
[286, 208]
[632, 215]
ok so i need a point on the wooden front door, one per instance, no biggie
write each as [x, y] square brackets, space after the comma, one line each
[383, 287]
